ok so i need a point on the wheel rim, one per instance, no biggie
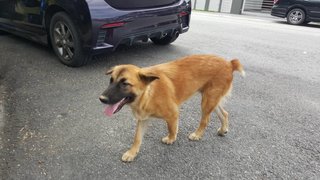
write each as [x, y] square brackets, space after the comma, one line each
[63, 40]
[296, 16]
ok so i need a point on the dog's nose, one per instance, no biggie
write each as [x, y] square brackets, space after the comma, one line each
[104, 99]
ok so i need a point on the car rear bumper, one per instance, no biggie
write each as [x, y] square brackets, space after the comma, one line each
[104, 46]
[135, 25]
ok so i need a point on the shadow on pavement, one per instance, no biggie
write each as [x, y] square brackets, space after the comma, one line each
[311, 24]
[122, 55]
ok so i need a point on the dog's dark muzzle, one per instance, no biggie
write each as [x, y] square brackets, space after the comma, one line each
[112, 94]
[115, 93]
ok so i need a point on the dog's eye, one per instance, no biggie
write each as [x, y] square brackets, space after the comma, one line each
[124, 84]
[111, 80]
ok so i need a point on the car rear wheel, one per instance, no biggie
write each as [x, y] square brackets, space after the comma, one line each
[166, 39]
[296, 16]
[65, 41]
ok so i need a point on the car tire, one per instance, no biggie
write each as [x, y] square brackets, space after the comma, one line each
[296, 16]
[168, 39]
[65, 41]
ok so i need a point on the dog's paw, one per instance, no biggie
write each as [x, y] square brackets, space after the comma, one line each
[222, 132]
[128, 156]
[194, 137]
[167, 140]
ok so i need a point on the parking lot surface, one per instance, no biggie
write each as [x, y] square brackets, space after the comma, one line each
[53, 126]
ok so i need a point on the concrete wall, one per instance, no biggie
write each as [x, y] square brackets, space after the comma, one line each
[214, 5]
[200, 4]
[226, 6]
[218, 5]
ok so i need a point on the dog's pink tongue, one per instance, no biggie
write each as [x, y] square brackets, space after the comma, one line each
[110, 109]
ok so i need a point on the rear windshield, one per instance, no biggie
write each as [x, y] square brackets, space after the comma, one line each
[139, 4]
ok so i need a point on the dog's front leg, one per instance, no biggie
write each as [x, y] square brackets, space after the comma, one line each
[133, 151]
[172, 123]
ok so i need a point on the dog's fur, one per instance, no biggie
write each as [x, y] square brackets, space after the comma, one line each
[159, 90]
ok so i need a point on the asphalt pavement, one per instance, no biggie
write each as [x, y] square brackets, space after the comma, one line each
[53, 126]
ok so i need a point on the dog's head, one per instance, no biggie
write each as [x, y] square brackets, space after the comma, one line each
[127, 83]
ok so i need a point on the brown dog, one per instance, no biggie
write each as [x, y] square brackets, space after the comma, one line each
[159, 90]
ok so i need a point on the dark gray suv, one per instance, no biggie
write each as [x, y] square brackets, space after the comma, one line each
[297, 11]
[78, 29]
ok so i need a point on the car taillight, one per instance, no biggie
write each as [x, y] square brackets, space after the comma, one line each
[183, 13]
[112, 25]
[275, 1]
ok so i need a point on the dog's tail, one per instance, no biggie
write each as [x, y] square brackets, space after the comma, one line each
[237, 66]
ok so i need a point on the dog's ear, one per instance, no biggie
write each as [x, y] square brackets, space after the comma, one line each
[148, 77]
[109, 71]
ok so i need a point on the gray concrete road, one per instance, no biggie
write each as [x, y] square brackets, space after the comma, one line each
[53, 125]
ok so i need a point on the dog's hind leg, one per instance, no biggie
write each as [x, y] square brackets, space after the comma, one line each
[133, 151]
[210, 100]
[223, 117]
